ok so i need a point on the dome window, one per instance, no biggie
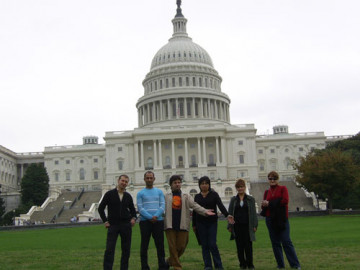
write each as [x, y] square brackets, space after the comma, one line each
[174, 55]
[187, 81]
[168, 55]
[189, 54]
[173, 82]
[180, 81]
[194, 81]
[167, 83]
[184, 54]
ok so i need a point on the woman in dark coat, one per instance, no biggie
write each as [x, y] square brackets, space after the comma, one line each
[242, 208]
[206, 226]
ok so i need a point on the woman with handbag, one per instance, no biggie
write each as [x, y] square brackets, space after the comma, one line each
[242, 208]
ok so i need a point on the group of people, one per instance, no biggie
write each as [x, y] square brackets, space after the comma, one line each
[171, 213]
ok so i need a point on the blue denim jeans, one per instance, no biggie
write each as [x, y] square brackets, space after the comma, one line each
[281, 240]
[207, 232]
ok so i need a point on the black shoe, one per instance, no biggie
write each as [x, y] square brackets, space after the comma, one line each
[242, 266]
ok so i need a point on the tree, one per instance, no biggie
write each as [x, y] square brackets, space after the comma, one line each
[329, 173]
[34, 185]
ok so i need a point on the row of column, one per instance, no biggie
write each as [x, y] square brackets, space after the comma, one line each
[157, 156]
[198, 108]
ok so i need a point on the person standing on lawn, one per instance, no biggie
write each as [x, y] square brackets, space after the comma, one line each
[275, 208]
[177, 220]
[151, 206]
[120, 220]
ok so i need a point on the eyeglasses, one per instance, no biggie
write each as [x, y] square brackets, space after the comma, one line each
[272, 179]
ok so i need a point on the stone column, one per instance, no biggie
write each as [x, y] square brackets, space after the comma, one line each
[161, 111]
[185, 108]
[160, 155]
[155, 155]
[223, 161]
[199, 152]
[136, 154]
[177, 111]
[173, 164]
[186, 154]
[209, 108]
[142, 161]
[201, 109]
[216, 110]
[217, 151]
[204, 151]
[168, 109]
[193, 106]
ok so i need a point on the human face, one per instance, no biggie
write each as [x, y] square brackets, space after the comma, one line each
[176, 185]
[204, 186]
[149, 180]
[123, 182]
[241, 190]
[273, 181]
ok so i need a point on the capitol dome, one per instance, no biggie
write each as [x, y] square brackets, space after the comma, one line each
[182, 84]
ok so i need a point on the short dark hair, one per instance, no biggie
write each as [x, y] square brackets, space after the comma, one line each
[240, 183]
[153, 174]
[175, 177]
[205, 179]
[273, 174]
[124, 175]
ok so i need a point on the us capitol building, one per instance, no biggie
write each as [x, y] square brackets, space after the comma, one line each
[183, 128]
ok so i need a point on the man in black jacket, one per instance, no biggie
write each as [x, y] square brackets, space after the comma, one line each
[121, 217]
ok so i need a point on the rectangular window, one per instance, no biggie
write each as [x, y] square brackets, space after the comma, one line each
[95, 160]
[96, 175]
[56, 177]
[173, 82]
[119, 149]
[241, 159]
[81, 161]
[187, 81]
[260, 151]
[240, 142]
[301, 149]
[56, 162]
[272, 151]
[67, 176]
[180, 81]
[67, 161]
[120, 165]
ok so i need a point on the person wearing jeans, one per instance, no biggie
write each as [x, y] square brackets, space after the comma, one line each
[275, 208]
[206, 227]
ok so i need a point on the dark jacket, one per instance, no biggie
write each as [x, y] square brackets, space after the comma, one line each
[211, 201]
[253, 220]
[118, 211]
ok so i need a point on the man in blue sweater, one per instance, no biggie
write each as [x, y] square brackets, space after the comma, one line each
[151, 206]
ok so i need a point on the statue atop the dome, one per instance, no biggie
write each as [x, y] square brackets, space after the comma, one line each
[178, 10]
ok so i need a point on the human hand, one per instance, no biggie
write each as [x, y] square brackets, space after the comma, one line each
[230, 219]
[132, 222]
[210, 212]
[265, 203]
[107, 224]
[255, 229]
[153, 219]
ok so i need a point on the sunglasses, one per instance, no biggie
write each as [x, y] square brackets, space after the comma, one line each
[272, 179]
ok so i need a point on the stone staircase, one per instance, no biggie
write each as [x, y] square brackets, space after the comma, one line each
[67, 205]
[297, 196]
[81, 205]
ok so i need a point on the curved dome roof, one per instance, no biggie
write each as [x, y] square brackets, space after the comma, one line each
[181, 49]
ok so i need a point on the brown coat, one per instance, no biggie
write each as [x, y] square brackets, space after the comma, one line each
[187, 203]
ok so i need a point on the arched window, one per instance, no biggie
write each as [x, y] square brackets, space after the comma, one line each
[193, 192]
[228, 192]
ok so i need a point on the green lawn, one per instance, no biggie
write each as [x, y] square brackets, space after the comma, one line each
[329, 242]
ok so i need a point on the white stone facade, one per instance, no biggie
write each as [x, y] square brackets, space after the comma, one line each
[183, 128]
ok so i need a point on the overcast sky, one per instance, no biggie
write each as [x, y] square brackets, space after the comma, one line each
[71, 68]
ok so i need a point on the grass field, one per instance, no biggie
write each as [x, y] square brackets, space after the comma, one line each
[329, 242]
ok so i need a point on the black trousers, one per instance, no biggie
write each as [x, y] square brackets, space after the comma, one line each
[124, 230]
[243, 245]
[156, 230]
